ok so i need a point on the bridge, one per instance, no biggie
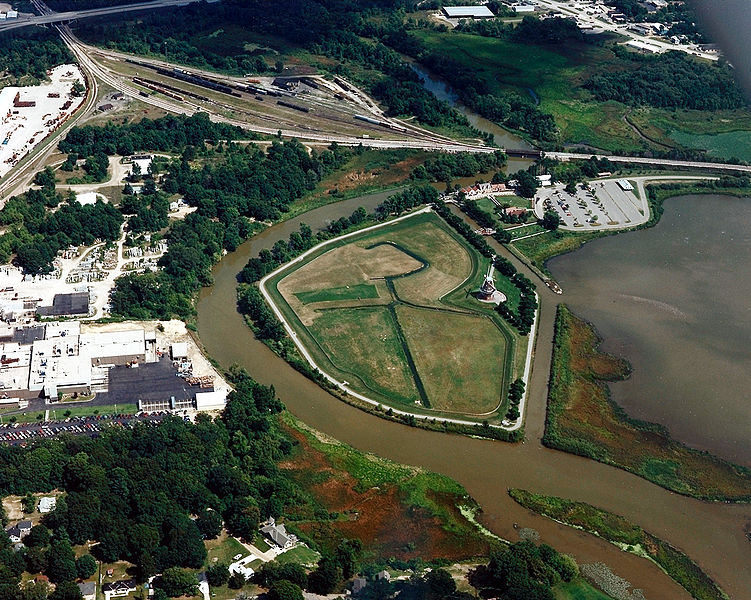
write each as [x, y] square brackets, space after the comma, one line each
[62, 17]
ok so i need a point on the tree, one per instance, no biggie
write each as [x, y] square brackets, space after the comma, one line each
[326, 577]
[179, 582]
[217, 574]
[38, 536]
[348, 556]
[551, 220]
[86, 566]
[285, 590]
[61, 562]
[45, 178]
[66, 590]
[526, 184]
[78, 89]
[29, 503]
[236, 581]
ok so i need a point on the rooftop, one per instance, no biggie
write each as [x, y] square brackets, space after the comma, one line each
[475, 12]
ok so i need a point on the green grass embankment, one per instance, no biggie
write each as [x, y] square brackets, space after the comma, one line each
[626, 535]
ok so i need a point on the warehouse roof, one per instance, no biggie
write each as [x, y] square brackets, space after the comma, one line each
[473, 12]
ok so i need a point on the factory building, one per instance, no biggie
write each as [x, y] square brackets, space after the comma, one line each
[467, 12]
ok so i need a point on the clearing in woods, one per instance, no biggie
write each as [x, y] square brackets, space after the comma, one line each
[387, 312]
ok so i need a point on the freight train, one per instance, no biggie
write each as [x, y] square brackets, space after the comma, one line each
[381, 123]
[293, 106]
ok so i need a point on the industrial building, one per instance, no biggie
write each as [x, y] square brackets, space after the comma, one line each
[66, 305]
[467, 12]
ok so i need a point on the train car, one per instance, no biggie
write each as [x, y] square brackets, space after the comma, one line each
[293, 106]
[370, 120]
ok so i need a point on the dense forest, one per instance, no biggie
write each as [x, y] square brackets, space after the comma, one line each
[671, 80]
[32, 53]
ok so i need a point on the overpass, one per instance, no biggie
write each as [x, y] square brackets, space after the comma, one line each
[61, 17]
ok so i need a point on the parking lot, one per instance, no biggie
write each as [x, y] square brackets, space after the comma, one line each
[22, 433]
[596, 205]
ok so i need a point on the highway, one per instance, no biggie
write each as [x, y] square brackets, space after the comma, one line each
[53, 17]
[684, 164]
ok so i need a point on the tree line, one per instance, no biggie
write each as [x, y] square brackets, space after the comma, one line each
[670, 80]
[32, 52]
[445, 167]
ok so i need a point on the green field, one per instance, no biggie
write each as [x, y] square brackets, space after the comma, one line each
[390, 312]
[353, 292]
[733, 144]
[579, 589]
[556, 73]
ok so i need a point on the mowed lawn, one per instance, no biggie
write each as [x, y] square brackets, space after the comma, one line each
[362, 343]
[362, 332]
[460, 358]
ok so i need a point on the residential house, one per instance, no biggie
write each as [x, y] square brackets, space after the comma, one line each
[383, 575]
[358, 583]
[278, 535]
[88, 590]
[47, 504]
[18, 531]
[118, 589]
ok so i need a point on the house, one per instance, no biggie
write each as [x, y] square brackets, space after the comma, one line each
[47, 504]
[88, 590]
[358, 584]
[482, 190]
[19, 531]
[383, 575]
[117, 589]
[514, 211]
[278, 535]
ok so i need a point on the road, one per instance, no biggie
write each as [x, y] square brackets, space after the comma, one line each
[668, 162]
[52, 17]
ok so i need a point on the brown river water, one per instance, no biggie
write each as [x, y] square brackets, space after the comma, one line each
[712, 534]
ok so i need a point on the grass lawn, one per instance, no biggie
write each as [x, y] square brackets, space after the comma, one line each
[261, 544]
[349, 292]
[363, 343]
[223, 550]
[87, 411]
[299, 554]
[460, 358]
[420, 339]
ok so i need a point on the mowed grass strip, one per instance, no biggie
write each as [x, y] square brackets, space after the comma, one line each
[364, 341]
[460, 358]
[450, 261]
[348, 292]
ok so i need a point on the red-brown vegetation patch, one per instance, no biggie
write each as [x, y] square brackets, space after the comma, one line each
[380, 516]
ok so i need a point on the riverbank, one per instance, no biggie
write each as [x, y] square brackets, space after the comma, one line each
[627, 536]
[583, 420]
[539, 249]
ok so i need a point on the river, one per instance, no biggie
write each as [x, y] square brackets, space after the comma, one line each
[502, 137]
[712, 534]
[674, 300]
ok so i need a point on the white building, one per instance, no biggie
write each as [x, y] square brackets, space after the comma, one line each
[179, 350]
[467, 12]
[47, 504]
[215, 400]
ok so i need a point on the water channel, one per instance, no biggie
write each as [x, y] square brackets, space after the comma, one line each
[712, 534]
